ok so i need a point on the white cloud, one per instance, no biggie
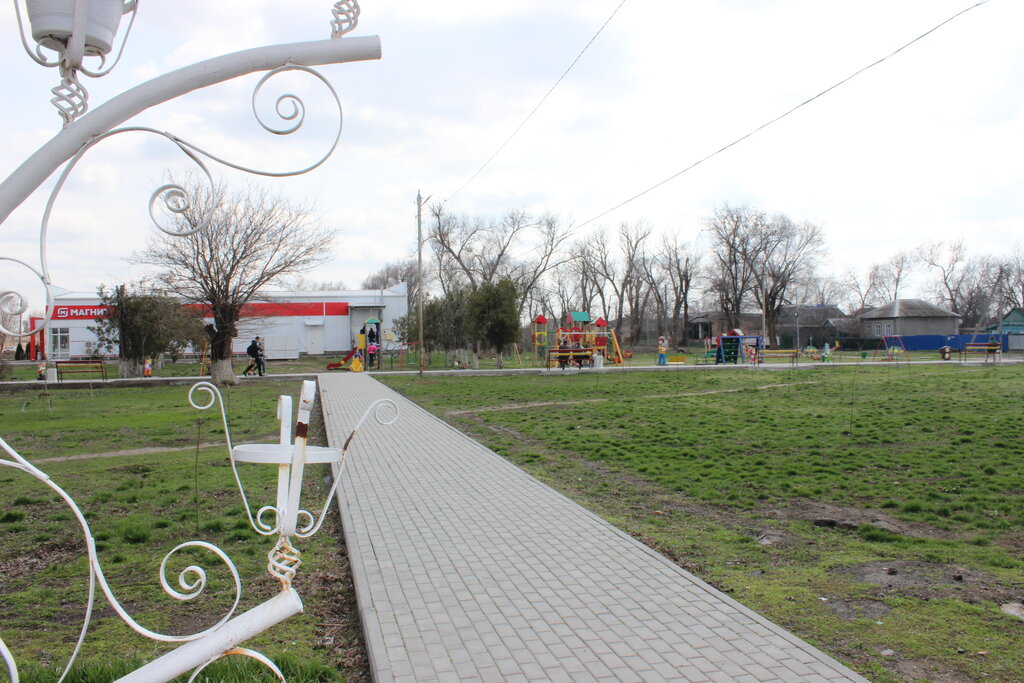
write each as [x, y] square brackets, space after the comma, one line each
[924, 146]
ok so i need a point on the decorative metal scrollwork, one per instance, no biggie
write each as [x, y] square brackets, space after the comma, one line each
[69, 96]
[346, 17]
[284, 559]
[173, 199]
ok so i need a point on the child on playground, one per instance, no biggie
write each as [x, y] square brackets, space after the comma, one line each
[662, 350]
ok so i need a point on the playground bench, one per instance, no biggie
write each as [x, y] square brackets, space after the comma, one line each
[765, 354]
[993, 349]
[70, 367]
[708, 357]
[565, 357]
[676, 360]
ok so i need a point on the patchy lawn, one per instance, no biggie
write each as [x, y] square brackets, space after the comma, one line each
[875, 511]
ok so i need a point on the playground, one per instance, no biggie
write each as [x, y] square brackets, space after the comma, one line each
[872, 509]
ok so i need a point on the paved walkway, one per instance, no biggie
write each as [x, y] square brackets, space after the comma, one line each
[467, 568]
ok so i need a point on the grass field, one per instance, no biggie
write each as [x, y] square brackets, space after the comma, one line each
[23, 371]
[876, 511]
[139, 508]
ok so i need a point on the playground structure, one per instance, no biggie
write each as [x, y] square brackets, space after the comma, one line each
[737, 348]
[580, 341]
[892, 349]
[367, 353]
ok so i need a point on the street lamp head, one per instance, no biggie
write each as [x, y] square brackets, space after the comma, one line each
[53, 24]
[74, 30]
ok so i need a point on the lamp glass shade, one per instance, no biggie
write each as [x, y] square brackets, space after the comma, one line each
[52, 22]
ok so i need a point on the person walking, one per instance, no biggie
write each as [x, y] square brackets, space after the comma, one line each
[261, 357]
[253, 351]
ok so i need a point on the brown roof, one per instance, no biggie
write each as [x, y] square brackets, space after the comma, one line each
[909, 308]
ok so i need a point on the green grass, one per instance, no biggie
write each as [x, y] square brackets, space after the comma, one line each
[23, 371]
[73, 421]
[139, 508]
[699, 464]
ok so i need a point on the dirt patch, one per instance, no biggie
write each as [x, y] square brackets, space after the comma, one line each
[34, 562]
[928, 581]
[927, 670]
[843, 517]
[858, 609]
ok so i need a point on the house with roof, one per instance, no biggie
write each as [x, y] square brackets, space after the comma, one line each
[798, 326]
[1012, 323]
[909, 317]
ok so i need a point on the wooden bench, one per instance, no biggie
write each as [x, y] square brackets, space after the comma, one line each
[70, 367]
[993, 349]
[707, 358]
[564, 357]
[791, 354]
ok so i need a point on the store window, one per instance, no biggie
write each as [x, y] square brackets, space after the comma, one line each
[60, 343]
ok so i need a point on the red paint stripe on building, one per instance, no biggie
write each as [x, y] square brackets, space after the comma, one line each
[254, 310]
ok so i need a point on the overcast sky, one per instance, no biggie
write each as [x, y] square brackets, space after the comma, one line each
[927, 145]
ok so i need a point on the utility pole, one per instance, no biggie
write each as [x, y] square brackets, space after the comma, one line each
[420, 201]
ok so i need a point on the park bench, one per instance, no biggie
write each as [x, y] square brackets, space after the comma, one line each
[707, 357]
[564, 357]
[70, 367]
[993, 349]
[676, 360]
[790, 354]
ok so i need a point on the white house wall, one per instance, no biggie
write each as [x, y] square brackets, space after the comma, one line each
[286, 320]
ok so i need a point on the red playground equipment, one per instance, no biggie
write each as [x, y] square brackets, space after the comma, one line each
[579, 340]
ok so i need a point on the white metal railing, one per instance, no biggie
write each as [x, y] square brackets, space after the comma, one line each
[286, 519]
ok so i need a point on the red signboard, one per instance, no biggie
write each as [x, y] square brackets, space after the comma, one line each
[79, 312]
[260, 309]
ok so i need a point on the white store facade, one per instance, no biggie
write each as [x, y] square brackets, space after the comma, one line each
[292, 324]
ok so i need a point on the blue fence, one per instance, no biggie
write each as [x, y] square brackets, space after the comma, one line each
[933, 342]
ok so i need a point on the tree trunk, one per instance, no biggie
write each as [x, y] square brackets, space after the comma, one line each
[129, 368]
[223, 372]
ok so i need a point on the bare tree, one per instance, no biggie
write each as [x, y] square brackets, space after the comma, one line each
[472, 251]
[527, 273]
[890, 276]
[625, 277]
[861, 289]
[825, 290]
[1009, 282]
[681, 265]
[302, 283]
[734, 235]
[784, 253]
[251, 241]
[967, 286]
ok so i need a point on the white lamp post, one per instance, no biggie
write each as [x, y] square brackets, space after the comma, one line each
[77, 30]
[74, 30]
[82, 131]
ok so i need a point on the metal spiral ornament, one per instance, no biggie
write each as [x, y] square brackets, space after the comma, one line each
[70, 96]
[284, 561]
[346, 17]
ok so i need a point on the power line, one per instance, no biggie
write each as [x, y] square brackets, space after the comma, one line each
[779, 117]
[539, 104]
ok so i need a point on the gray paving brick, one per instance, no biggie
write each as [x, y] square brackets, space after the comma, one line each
[476, 571]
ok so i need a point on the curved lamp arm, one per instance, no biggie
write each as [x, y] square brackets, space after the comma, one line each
[63, 146]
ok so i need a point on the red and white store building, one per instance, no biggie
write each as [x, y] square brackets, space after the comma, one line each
[292, 324]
